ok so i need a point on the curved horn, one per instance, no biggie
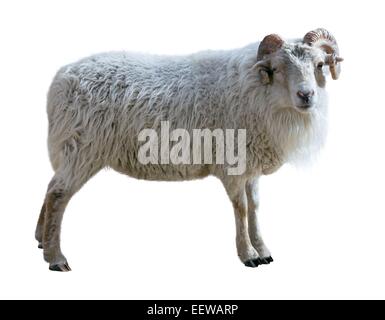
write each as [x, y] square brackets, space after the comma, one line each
[325, 40]
[269, 44]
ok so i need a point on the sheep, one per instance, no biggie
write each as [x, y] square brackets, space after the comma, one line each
[273, 89]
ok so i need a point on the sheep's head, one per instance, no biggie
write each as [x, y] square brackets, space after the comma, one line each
[296, 72]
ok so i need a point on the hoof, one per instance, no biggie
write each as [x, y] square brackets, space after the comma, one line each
[267, 260]
[40, 245]
[253, 263]
[64, 267]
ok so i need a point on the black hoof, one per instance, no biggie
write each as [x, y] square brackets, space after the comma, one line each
[60, 267]
[253, 263]
[40, 245]
[267, 260]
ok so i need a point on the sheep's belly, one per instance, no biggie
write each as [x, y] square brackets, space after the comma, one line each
[159, 172]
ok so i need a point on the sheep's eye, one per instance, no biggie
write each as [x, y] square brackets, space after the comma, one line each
[274, 70]
[320, 65]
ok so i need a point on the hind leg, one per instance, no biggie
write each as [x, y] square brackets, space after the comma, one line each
[64, 184]
[56, 200]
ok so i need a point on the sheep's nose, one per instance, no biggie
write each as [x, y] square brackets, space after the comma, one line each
[305, 95]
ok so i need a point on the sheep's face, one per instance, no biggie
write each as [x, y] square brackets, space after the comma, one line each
[296, 72]
[297, 77]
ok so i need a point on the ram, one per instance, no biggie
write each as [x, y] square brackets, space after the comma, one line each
[97, 108]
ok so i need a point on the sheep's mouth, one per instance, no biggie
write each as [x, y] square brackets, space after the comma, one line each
[304, 108]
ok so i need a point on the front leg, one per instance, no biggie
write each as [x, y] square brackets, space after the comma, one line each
[236, 190]
[254, 229]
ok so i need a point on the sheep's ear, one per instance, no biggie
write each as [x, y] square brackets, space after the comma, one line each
[269, 45]
[264, 72]
[264, 76]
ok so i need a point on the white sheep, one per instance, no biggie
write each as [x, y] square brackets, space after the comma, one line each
[98, 106]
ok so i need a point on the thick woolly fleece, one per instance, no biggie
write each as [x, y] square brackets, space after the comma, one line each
[97, 107]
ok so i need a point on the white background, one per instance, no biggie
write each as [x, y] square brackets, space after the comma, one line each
[139, 240]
